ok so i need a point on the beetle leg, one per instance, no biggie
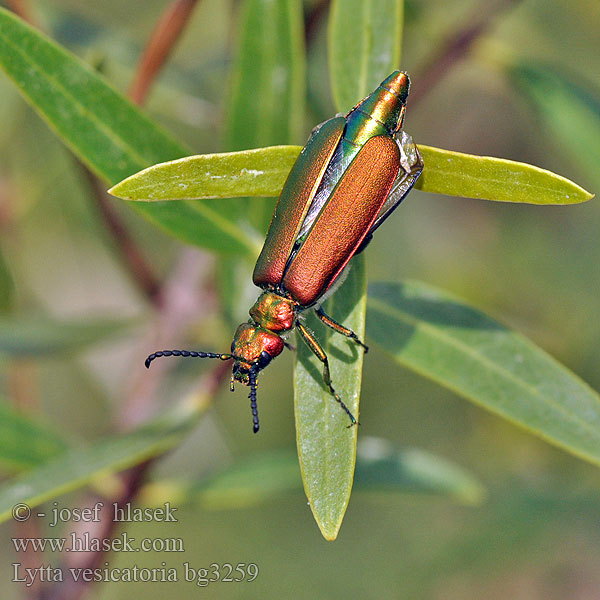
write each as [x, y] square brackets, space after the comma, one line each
[320, 354]
[339, 328]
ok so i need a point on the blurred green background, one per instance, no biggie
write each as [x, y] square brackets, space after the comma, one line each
[537, 535]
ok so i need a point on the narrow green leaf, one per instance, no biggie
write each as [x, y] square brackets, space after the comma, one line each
[380, 468]
[326, 446]
[488, 178]
[249, 482]
[462, 349]
[105, 130]
[266, 102]
[79, 466]
[37, 336]
[365, 42]
[7, 287]
[264, 106]
[25, 442]
[570, 112]
[262, 172]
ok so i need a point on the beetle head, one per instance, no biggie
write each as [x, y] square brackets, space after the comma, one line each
[253, 348]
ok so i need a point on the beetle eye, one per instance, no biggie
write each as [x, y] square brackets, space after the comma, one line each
[233, 346]
[264, 359]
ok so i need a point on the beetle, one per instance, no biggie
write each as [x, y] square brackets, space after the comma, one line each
[351, 175]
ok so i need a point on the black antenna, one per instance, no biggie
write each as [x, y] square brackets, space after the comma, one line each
[252, 396]
[186, 353]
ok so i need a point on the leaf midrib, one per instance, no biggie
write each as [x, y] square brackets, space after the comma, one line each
[437, 333]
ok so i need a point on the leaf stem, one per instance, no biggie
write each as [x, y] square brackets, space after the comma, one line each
[167, 32]
[23, 10]
[313, 19]
[136, 264]
[159, 47]
[457, 46]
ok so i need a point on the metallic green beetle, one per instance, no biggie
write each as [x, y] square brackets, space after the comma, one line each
[350, 176]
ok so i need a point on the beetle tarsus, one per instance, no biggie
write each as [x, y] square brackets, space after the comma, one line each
[353, 421]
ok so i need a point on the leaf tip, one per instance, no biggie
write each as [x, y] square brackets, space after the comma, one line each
[329, 531]
[118, 191]
[581, 195]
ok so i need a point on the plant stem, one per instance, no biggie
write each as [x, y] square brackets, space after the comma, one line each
[136, 264]
[166, 33]
[456, 47]
[22, 8]
[182, 298]
[313, 18]
[162, 41]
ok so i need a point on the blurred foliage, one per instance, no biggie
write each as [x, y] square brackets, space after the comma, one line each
[62, 469]
[534, 268]
[6, 286]
[379, 468]
[25, 443]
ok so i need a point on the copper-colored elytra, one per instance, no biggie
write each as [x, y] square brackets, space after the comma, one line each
[294, 201]
[345, 221]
